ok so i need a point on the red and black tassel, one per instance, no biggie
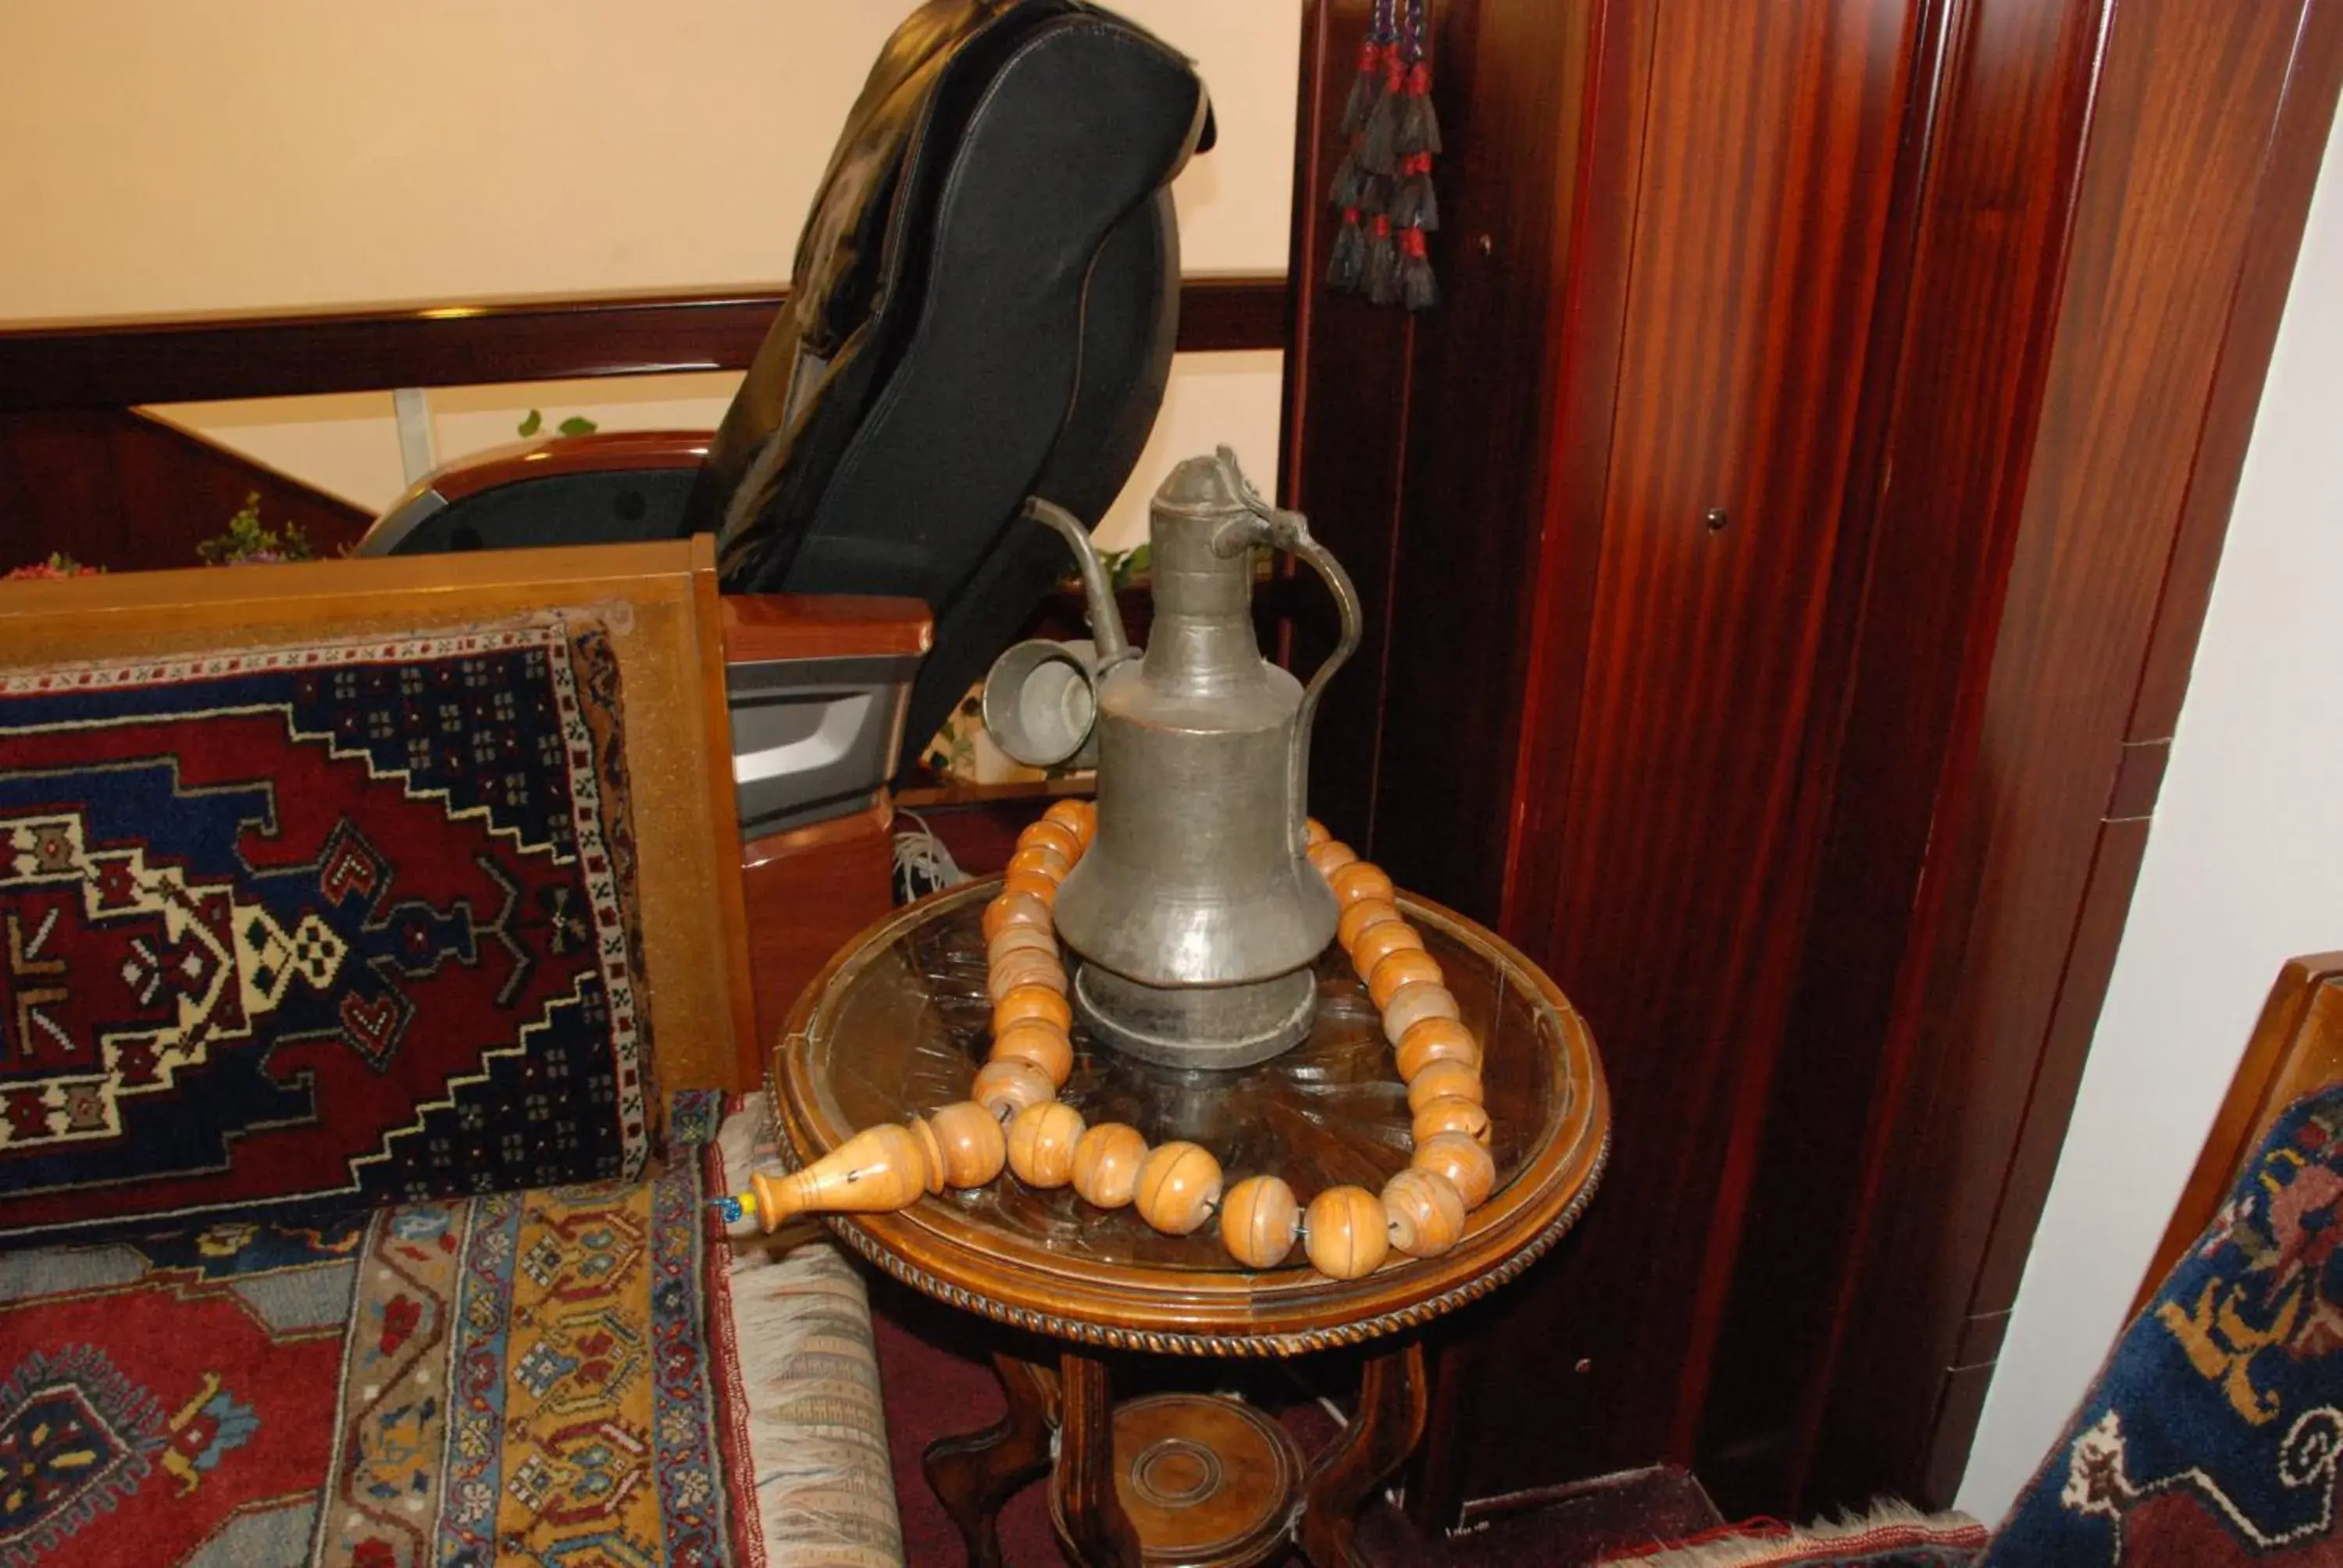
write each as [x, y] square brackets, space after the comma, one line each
[1384, 185]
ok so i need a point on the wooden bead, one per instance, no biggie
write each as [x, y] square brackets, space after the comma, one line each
[973, 1149]
[1260, 1217]
[1331, 856]
[1006, 1088]
[876, 1172]
[1407, 966]
[1436, 1039]
[1056, 835]
[1360, 881]
[1346, 1233]
[1044, 1045]
[1177, 1188]
[1358, 918]
[1038, 1003]
[931, 1152]
[1452, 1114]
[1423, 1213]
[1033, 885]
[1018, 940]
[1377, 942]
[1015, 908]
[1106, 1164]
[1413, 1005]
[1080, 817]
[1445, 1080]
[1025, 969]
[1041, 1140]
[1041, 859]
[1463, 1160]
[1313, 831]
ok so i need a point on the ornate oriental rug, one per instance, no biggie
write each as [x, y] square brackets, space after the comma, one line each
[518, 1378]
[2213, 1434]
[342, 922]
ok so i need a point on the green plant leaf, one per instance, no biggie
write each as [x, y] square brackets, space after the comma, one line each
[577, 424]
[532, 424]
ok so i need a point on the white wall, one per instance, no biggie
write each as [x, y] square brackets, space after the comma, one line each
[166, 157]
[2244, 871]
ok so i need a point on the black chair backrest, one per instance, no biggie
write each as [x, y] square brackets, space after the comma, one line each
[983, 307]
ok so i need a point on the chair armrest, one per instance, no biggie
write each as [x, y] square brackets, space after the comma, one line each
[602, 489]
[771, 626]
[601, 452]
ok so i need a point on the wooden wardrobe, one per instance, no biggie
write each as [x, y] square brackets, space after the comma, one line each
[1785, 549]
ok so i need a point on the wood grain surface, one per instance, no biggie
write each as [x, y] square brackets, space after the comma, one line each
[900, 1023]
[189, 359]
[1890, 366]
[120, 489]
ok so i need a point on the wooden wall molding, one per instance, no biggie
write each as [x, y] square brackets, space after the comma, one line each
[124, 363]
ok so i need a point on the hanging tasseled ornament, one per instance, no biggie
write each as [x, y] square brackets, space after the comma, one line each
[1364, 87]
[1414, 205]
[1417, 202]
[1378, 144]
[1350, 263]
[1360, 189]
[1417, 122]
[1418, 289]
[1383, 186]
[1382, 286]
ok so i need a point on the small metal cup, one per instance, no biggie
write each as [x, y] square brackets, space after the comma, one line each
[1040, 703]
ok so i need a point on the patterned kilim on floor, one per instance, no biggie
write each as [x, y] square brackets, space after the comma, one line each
[346, 922]
[515, 1378]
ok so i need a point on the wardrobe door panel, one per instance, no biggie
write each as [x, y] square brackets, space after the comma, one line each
[1663, 861]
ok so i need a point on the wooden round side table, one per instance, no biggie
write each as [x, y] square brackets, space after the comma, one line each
[898, 1022]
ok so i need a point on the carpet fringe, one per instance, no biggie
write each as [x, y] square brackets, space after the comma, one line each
[1886, 1525]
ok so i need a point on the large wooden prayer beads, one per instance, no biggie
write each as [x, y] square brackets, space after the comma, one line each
[1435, 1039]
[1444, 1080]
[1179, 1187]
[1260, 1217]
[1044, 1046]
[969, 1136]
[1411, 1005]
[876, 1172]
[1106, 1164]
[1380, 942]
[1346, 1233]
[1014, 1117]
[1452, 1114]
[1424, 1213]
[1005, 1087]
[1358, 918]
[1041, 1140]
[1463, 1160]
[1035, 1003]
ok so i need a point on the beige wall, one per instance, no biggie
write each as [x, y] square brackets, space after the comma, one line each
[166, 157]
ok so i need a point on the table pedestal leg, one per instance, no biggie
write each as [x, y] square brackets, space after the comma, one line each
[972, 1476]
[1090, 1517]
[1384, 1431]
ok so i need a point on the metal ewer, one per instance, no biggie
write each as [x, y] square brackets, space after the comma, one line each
[1194, 912]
